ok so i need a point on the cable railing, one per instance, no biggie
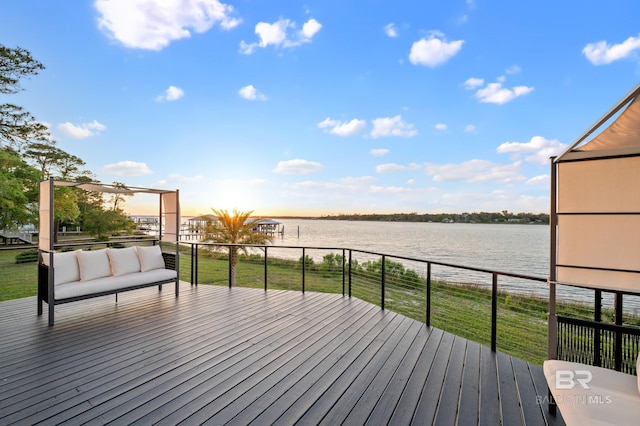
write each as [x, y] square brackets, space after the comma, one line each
[503, 310]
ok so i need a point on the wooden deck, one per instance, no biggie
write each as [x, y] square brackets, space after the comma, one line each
[243, 356]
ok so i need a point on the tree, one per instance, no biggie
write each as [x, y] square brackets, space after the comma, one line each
[117, 199]
[65, 207]
[17, 126]
[102, 223]
[18, 190]
[234, 229]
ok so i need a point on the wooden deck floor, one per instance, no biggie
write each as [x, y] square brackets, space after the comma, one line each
[243, 356]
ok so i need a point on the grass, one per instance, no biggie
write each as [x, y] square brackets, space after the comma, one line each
[464, 310]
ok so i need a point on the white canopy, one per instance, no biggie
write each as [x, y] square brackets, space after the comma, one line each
[595, 215]
[169, 208]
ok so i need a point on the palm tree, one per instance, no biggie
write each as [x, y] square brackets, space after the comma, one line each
[234, 229]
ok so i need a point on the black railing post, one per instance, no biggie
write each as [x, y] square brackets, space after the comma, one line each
[303, 267]
[265, 268]
[597, 316]
[494, 311]
[428, 289]
[344, 261]
[193, 261]
[350, 273]
[617, 354]
[197, 266]
[230, 267]
[384, 259]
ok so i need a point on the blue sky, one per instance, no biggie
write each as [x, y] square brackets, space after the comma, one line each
[326, 107]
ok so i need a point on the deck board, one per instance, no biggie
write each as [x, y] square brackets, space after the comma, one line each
[239, 356]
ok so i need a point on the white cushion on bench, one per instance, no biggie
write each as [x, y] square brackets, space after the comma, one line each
[83, 288]
[123, 261]
[150, 258]
[66, 266]
[613, 398]
[93, 264]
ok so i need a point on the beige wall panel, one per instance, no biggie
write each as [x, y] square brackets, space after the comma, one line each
[599, 241]
[611, 185]
[605, 280]
[44, 227]
[171, 216]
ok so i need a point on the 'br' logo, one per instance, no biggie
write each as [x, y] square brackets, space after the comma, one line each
[567, 379]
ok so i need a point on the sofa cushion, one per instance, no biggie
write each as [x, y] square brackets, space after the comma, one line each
[66, 266]
[109, 284]
[150, 258]
[93, 264]
[123, 261]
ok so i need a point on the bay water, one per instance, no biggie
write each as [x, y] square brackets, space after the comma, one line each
[512, 248]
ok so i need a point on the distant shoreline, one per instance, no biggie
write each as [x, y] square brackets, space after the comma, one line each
[482, 217]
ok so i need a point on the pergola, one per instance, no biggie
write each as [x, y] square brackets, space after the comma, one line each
[595, 210]
[169, 208]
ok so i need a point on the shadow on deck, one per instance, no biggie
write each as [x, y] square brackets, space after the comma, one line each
[242, 356]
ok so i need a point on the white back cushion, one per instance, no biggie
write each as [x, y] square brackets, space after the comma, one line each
[93, 264]
[65, 267]
[150, 258]
[123, 261]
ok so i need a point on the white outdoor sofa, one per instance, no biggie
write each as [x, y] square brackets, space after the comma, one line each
[77, 275]
[588, 395]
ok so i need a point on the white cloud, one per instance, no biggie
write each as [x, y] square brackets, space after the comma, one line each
[469, 128]
[152, 25]
[309, 29]
[339, 128]
[601, 53]
[81, 131]
[513, 69]
[392, 126]
[379, 152]
[542, 180]
[473, 83]
[393, 168]
[172, 93]
[494, 93]
[391, 30]
[388, 189]
[251, 93]
[538, 150]
[297, 167]
[434, 50]
[358, 180]
[440, 126]
[473, 171]
[281, 33]
[127, 168]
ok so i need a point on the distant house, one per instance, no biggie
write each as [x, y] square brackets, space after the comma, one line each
[268, 226]
[265, 226]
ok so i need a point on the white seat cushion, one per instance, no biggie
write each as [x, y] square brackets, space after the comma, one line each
[93, 264]
[123, 261]
[65, 266]
[150, 258]
[83, 288]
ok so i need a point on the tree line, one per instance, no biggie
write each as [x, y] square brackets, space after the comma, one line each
[28, 155]
[476, 217]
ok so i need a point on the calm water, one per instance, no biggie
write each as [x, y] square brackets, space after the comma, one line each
[522, 249]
